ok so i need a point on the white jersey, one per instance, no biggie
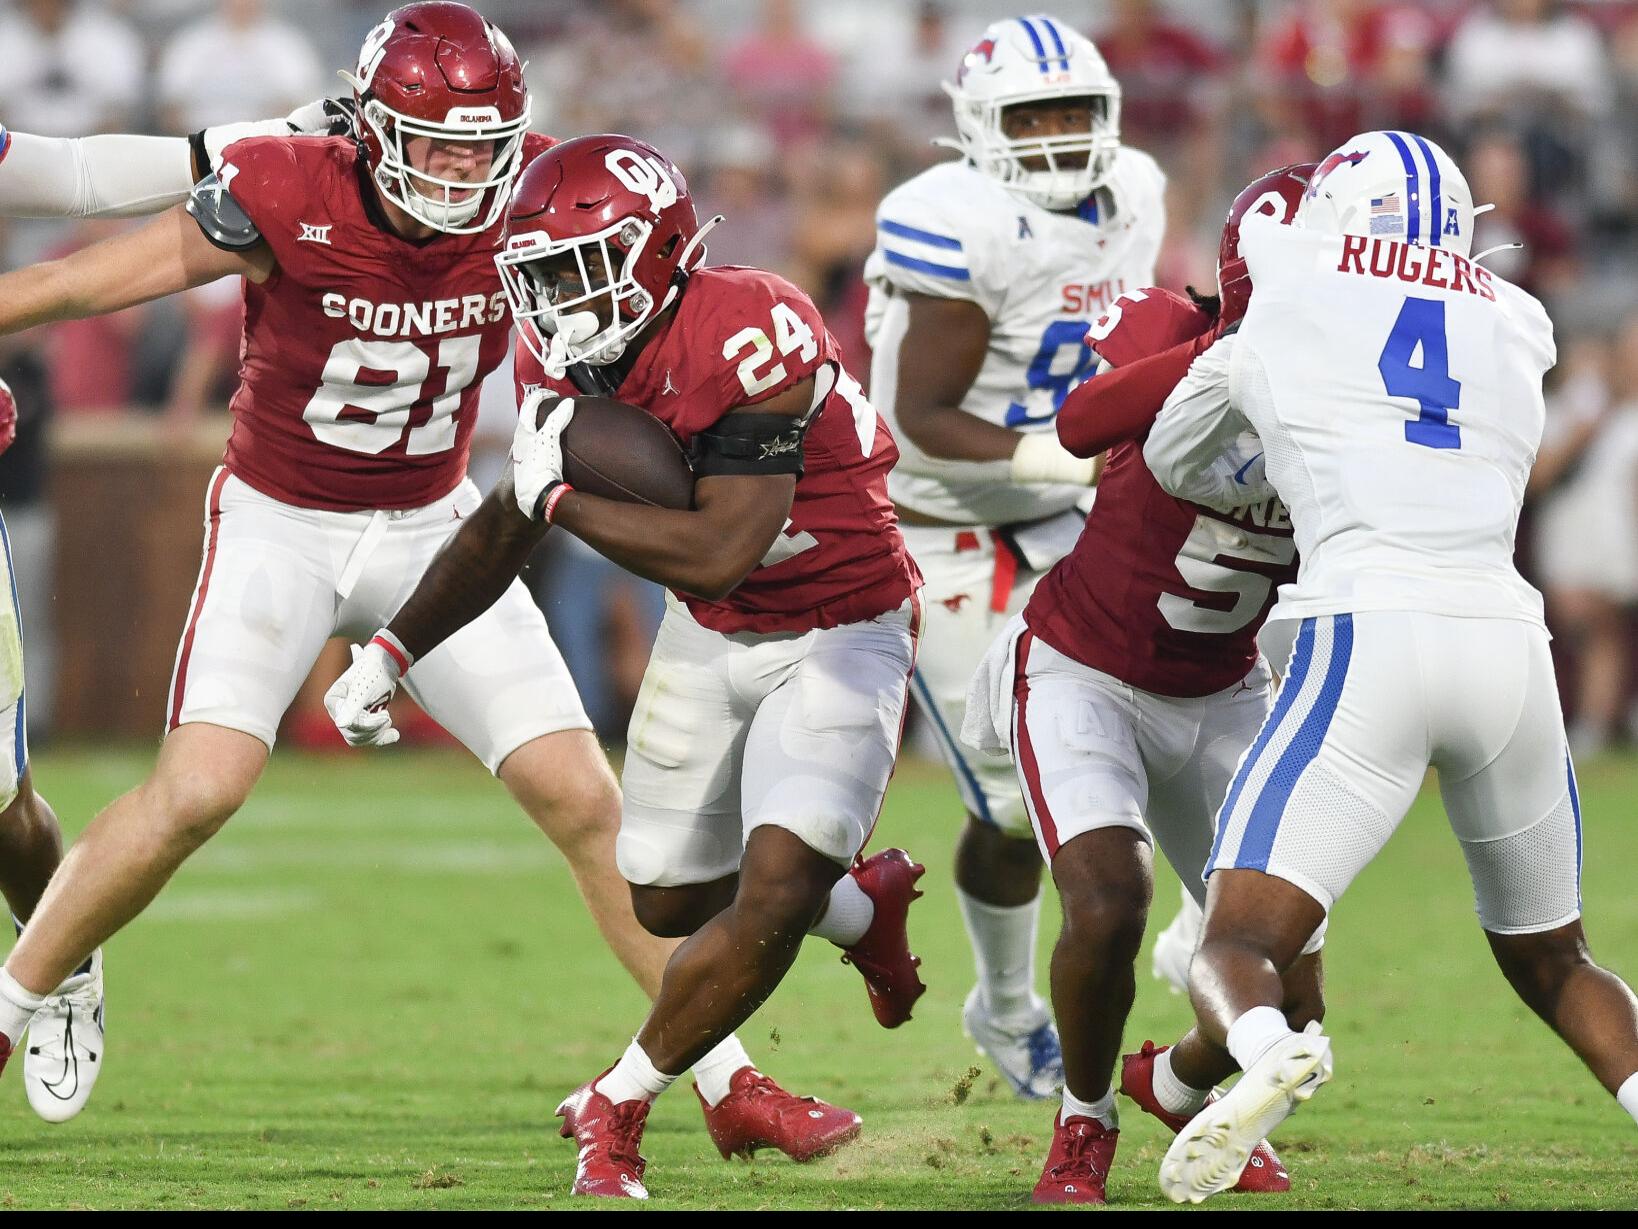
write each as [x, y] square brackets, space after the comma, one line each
[1041, 277]
[1397, 392]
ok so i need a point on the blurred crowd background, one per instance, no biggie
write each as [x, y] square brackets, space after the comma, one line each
[793, 118]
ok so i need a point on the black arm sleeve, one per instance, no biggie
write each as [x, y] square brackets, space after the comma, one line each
[750, 443]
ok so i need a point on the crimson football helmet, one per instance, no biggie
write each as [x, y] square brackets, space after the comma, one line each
[1276, 195]
[593, 217]
[440, 70]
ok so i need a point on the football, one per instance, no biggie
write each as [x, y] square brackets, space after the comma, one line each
[620, 452]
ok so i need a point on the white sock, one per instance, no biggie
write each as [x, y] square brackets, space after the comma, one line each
[1003, 939]
[634, 1078]
[1250, 1037]
[17, 1007]
[1174, 1095]
[1627, 1095]
[848, 915]
[713, 1072]
[1102, 1110]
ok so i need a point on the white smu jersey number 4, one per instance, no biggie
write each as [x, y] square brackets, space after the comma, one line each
[1397, 391]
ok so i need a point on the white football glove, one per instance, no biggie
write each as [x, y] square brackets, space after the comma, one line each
[357, 701]
[323, 117]
[537, 454]
[1039, 457]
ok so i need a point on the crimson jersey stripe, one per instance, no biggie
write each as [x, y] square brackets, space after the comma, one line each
[1027, 766]
[213, 508]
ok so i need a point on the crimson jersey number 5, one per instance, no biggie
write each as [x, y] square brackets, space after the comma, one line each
[1221, 559]
[760, 369]
[370, 389]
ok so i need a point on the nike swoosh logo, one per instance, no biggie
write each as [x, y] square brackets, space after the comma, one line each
[1240, 474]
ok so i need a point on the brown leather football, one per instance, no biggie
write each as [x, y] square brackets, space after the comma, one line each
[620, 452]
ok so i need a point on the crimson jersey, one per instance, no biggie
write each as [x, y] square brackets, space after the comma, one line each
[739, 337]
[1166, 596]
[362, 351]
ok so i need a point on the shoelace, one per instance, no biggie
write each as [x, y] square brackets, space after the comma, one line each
[624, 1130]
[82, 1001]
[1078, 1161]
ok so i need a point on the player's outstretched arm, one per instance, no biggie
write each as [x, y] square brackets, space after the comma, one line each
[167, 255]
[122, 175]
[1147, 340]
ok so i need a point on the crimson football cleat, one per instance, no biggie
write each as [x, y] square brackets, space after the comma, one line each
[5, 1051]
[609, 1135]
[1077, 1166]
[757, 1113]
[1263, 1174]
[883, 955]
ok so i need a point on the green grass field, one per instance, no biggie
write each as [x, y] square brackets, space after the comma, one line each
[371, 990]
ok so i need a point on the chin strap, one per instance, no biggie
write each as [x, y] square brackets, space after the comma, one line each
[1500, 247]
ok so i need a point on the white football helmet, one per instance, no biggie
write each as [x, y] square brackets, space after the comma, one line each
[1395, 185]
[1028, 59]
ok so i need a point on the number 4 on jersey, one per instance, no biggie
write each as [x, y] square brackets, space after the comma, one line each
[1421, 323]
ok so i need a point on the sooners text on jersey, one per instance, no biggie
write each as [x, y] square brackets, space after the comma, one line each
[363, 351]
[741, 336]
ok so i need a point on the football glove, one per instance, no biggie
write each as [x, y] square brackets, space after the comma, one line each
[357, 701]
[323, 117]
[8, 416]
[1039, 457]
[537, 453]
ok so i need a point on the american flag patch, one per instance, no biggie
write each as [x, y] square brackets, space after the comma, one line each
[1386, 215]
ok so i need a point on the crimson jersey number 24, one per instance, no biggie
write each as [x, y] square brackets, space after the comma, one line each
[761, 369]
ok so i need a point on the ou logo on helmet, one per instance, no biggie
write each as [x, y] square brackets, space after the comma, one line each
[1273, 205]
[644, 175]
[374, 48]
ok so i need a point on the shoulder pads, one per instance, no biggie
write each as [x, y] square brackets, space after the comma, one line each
[222, 219]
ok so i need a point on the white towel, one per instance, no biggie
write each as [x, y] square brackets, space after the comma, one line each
[987, 727]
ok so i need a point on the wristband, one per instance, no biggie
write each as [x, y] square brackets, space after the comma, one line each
[550, 498]
[394, 648]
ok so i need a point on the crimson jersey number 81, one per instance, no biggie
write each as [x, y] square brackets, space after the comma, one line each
[363, 414]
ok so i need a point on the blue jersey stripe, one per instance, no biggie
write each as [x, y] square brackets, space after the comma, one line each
[1264, 825]
[1057, 42]
[920, 236]
[1413, 189]
[954, 272]
[1436, 213]
[1575, 810]
[19, 751]
[1040, 47]
[952, 749]
[5, 142]
[1301, 656]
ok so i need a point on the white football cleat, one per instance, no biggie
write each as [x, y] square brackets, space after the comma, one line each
[1031, 1059]
[1210, 1153]
[1174, 947]
[62, 1056]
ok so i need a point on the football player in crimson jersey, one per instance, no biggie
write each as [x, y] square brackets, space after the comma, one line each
[373, 312]
[1126, 692]
[770, 715]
